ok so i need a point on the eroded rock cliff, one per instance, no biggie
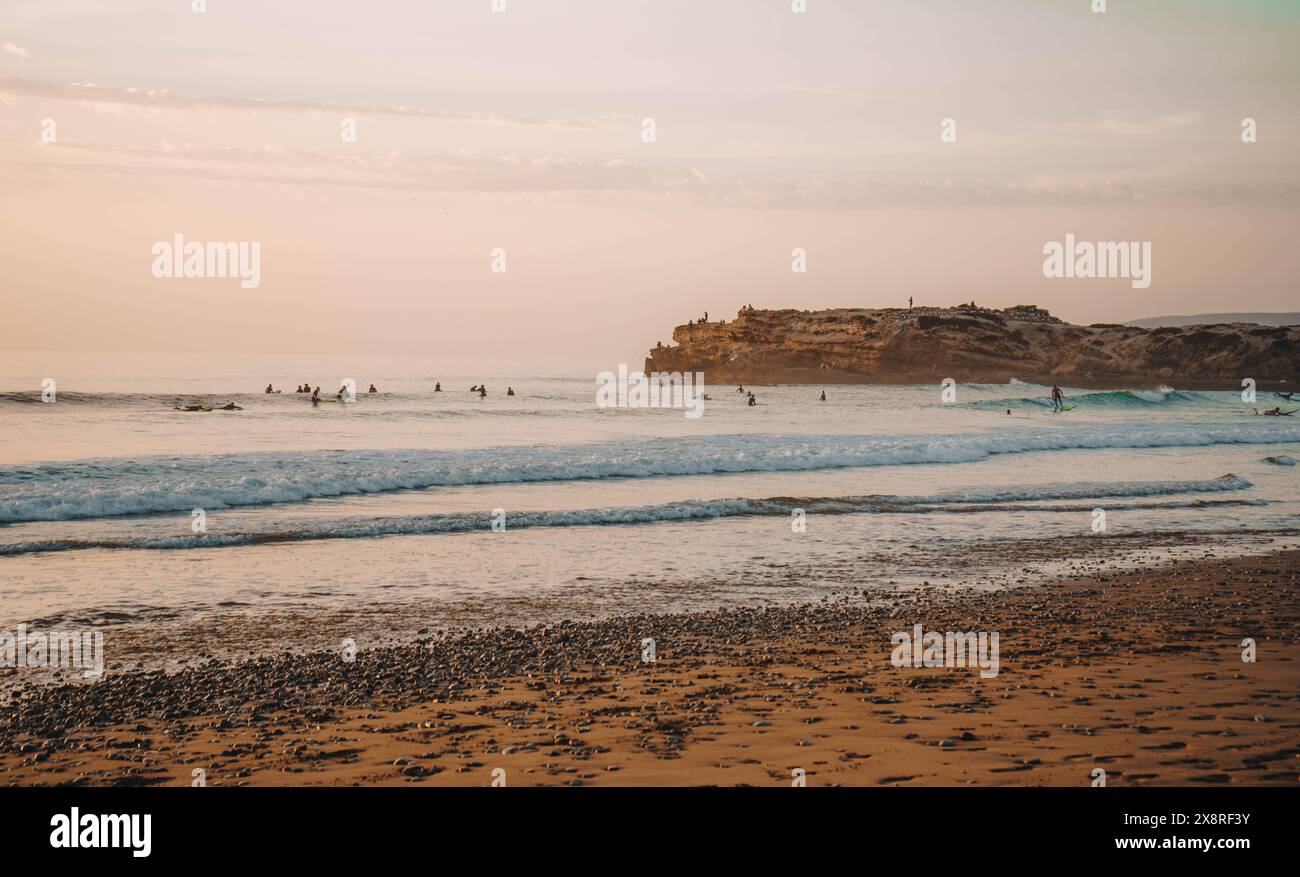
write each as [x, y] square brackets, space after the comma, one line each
[971, 344]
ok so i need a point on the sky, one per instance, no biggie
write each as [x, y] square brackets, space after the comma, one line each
[523, 133]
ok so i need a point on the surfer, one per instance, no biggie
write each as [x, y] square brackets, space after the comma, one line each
[230, 406]
[1274, 412]
[268, 389]
[740, 389]
[192, 408]
[823, 395]
[510, 391]
[482, 390]
[437, 388]
[372, 389]
[315, 395]
[1058, 398]
[752, 401]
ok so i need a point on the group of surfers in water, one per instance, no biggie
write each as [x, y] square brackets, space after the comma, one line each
[1058, 398]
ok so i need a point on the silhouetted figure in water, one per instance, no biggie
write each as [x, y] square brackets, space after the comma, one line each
[437, 388]
[482, 391]
[752, 400]
[823, 395]
[230, 406]
[268, 389]
[315, 395]
[372, 389]
[510, 391]
[740, 389]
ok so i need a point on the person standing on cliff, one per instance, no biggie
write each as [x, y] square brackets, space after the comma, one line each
[909, 302]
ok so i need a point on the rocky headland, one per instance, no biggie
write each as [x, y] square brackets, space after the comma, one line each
[975, 344]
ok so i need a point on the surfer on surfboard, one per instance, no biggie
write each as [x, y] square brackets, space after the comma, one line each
[1058, 398]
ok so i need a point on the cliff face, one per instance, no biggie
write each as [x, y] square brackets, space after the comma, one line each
[969, 344]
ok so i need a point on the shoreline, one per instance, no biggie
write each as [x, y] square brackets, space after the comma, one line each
[1137, 673]
[235, 631]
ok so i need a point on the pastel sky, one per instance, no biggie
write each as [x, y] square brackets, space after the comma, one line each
[522, 130]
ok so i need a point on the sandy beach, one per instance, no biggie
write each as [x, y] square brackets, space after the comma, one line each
[1139, 674]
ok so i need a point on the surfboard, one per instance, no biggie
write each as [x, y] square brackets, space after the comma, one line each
[1065, 408]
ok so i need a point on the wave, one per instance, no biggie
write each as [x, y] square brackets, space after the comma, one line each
[967, 501]
[1114, 399]
[153, 485]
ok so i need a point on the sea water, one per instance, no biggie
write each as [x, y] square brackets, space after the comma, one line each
[117, 510]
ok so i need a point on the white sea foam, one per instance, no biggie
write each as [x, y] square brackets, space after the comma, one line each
[90, 489]
[966, 499]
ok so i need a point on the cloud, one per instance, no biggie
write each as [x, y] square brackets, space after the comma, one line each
[152, 100]
[836, 90]
[11, 49]
[615, 179]
[1157, 125]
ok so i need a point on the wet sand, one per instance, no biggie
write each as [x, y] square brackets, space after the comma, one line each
[1138, 674]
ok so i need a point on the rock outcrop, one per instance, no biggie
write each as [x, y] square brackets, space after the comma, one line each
[972, 344]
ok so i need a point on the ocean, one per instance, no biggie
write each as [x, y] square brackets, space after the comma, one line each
[281, 524]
